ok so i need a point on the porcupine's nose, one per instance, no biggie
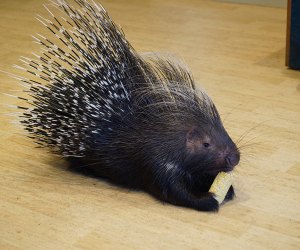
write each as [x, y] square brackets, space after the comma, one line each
[233, 158]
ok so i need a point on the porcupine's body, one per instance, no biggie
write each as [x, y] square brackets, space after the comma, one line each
[134, 119]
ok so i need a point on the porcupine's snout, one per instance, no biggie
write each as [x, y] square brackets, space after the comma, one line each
[232, 158]
[226, 157]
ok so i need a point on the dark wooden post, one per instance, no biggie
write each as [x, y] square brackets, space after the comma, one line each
[293, 35]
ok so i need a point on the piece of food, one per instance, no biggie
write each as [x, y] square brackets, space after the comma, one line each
[221, 185]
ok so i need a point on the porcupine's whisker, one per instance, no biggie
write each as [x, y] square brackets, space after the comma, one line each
[241, 138]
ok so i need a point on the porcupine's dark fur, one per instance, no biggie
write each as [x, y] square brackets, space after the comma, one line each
[134, 119]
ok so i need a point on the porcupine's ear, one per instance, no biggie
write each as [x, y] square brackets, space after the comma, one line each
[195, 140]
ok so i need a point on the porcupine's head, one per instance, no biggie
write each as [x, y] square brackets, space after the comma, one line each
[209, 148]
[202, 145]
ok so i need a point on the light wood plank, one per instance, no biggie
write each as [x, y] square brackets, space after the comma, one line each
[236, 53]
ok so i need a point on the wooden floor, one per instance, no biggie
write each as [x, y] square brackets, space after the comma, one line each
[236, 53]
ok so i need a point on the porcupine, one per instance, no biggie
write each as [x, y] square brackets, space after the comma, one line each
[136, 119]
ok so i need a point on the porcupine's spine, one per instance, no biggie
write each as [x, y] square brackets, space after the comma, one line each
[77, 82]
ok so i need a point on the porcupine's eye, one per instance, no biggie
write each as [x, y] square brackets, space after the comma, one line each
[206, 145]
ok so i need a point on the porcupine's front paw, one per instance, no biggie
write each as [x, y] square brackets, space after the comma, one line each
[209, 203]
[230, 194]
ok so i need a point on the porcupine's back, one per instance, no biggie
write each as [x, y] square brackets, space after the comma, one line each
[95, 98]
[77, 83]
